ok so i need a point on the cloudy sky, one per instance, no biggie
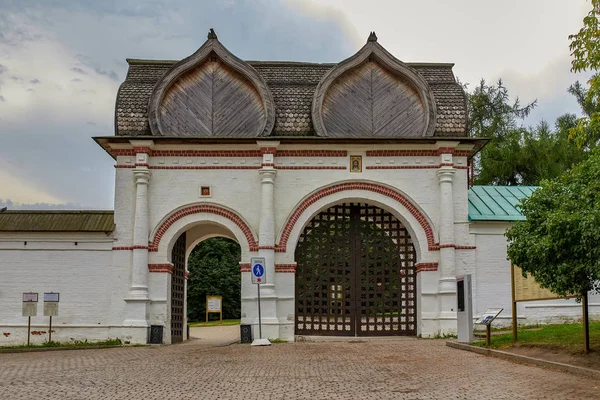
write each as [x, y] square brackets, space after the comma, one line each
[61, 62]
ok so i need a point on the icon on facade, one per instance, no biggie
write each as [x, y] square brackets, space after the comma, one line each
[355, 163]
[204, 191]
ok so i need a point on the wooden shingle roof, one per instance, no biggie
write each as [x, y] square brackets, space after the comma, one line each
[57, 221]
[292, 85]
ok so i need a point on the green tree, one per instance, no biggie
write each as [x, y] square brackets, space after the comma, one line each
[215, 271]
[517, 155]
[558, 242]
[585, 49]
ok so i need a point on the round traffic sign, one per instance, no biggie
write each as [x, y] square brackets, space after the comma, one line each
[258, 270]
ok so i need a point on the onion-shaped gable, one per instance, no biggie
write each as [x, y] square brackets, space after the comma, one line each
[211, 93]
[373, 94]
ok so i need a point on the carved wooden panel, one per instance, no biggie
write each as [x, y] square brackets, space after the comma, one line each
[372, 101]
[212, 99]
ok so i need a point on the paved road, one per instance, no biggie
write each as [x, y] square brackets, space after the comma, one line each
[385, 369]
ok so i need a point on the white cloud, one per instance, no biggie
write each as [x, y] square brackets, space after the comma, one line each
[21, 191]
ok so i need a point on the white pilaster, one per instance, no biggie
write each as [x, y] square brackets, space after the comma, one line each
[137, 301]
[139, 277]
[447, 264]
[266, 241]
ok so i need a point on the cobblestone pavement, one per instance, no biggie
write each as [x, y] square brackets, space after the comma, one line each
[215, 335]
[383, 369]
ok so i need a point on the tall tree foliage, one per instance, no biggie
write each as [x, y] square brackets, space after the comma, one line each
[558, 243]
[585, 49]
[214, 267]
[518, 155]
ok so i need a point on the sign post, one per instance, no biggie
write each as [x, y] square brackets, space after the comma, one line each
[51, 309]
[213, 305]
[486, 319]
[259, 277]
[30, 301]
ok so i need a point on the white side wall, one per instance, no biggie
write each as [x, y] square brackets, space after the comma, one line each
[492, 288]
[90, 287]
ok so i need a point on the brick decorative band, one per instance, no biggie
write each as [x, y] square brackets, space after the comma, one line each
[371, 187]
[204, 167]
[186, 274]
[204, 208]
[312, 153]
[422, 267]
[245, 267]
[321, 167]
[187, 153]
[315, 167]
[436, 166]
[228, 153]
[285, 268]
[455, 246]
[266, 247]
[160, 268]
[418, 153]
[268, 150]
[137, 247]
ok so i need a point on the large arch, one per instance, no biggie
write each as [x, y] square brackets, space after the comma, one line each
[399, 204]
[167, 231]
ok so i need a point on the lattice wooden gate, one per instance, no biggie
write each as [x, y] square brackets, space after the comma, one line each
[177, 289]
[355, 274]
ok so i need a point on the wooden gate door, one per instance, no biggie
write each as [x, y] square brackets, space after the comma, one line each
[177, 289]
[355, 274]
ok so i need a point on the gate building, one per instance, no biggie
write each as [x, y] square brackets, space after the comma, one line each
[350, 179]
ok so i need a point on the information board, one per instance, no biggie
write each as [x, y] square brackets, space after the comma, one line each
[51, 297]
[213, 303]
[30, 308]
[488, 316]
[30, 297]
[51, 309]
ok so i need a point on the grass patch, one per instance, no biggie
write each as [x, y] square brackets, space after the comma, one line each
[567, 337]
[277, 341]
[226, 322]
[74, 343]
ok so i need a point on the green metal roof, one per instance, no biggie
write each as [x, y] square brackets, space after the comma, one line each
[497, 203]
[57, 221]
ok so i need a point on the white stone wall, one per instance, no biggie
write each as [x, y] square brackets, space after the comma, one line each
[175, 184]
[492, 288]
[90, 288]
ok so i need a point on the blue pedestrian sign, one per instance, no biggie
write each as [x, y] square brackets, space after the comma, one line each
[258, 270]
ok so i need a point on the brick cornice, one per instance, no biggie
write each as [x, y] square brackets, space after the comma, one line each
[312, 153]
[290, 268]
[245, 267]
[437, 166]
[204, 208]
[422, 267]
[371, 187]
[168, 268]
[419, 153]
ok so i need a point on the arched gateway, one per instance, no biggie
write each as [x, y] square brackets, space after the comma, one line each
[356, 274]
[349, 179]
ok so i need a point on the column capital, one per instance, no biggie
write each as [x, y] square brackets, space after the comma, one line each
[446, 174]
[267, 174]
[142, 176]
